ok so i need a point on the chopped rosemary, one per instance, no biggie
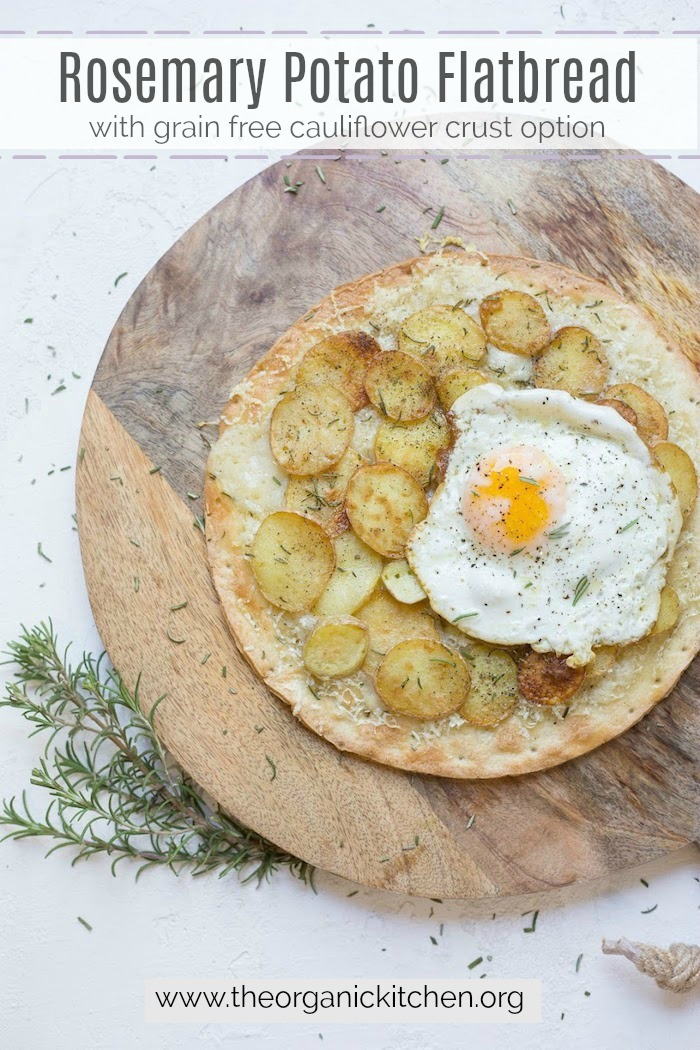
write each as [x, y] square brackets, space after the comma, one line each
[438, 218]
[41, 553]
[532, 926]
[475, 962]
[319, 172]
[470, 822]
[648, 911]
[513, 209]
[118, 279]
[464, 616]
[176, 608]
[578, 962]
[84, 923]
[629, 525]
[581, 588]
[380, 209]
[560, 531]
[176, 641]
[273, 767]
[528, 481]
[155, 470]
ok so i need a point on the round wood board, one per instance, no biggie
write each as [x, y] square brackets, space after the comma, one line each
[206, 312]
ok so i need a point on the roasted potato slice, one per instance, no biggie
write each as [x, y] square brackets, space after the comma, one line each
[515, 321]
[401, 582]
[356, 574]
[679, 466]
[389, 622]
[574, 361]
[455, 382]
[652, 424]
[494, 686]
[442, 337]
[340, 361]
[321, 497]
[544, 678]
[310, 429]
[335, 648]
[399, 386]
[620, 407]
[669, 611]
[292, 559]
[422, 679]
[604, 659]
[383, 503]
[414, 446]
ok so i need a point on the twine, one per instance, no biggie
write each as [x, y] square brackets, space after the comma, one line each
[675, 969]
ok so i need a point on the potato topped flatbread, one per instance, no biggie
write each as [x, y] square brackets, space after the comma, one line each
[448, 562]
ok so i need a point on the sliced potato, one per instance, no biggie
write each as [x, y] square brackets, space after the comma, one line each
[669, 611]
[574, 361]
[515, 321]
[651, 418]
[399, 386]
[604, 659]
[494, 689]
[422, 679]
[545, 678]
[335, 648]
[678, 464]
[383, 503]
[414, 446]
[356, 573]
[400, 580]
[321, 497]
[442, 337]
[310, 429]
[455, 382]
[389, 622]
[292, 559]
[340, 361]
[620, 407]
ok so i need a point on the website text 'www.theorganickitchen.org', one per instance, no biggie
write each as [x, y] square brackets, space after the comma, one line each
[364, 1001]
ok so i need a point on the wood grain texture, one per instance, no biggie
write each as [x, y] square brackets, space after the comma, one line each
[208, 310]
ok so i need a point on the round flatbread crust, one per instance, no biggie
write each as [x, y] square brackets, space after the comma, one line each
[244, 484]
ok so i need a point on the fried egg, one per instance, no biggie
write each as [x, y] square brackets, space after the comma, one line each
[553, 526]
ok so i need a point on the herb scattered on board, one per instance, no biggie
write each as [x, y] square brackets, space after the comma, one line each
[85, 923]
[111, 787]
[438, 218]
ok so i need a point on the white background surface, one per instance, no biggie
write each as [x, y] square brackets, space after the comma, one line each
[67, 232]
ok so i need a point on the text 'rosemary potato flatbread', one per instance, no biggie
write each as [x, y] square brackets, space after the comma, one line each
[452, 515]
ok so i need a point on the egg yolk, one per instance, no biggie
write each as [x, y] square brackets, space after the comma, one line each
[513, 497]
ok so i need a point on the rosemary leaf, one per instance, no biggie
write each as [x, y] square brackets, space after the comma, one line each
[109, 786]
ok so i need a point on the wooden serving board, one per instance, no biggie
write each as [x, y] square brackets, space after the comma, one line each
[206, 312]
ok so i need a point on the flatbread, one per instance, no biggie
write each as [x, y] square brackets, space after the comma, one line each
[244, 485]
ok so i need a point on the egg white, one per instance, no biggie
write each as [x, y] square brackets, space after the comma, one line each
[529, 597]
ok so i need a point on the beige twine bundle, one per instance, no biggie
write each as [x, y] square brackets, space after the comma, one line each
[676, 969]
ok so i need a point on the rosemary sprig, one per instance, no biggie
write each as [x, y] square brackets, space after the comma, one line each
[113, 789]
